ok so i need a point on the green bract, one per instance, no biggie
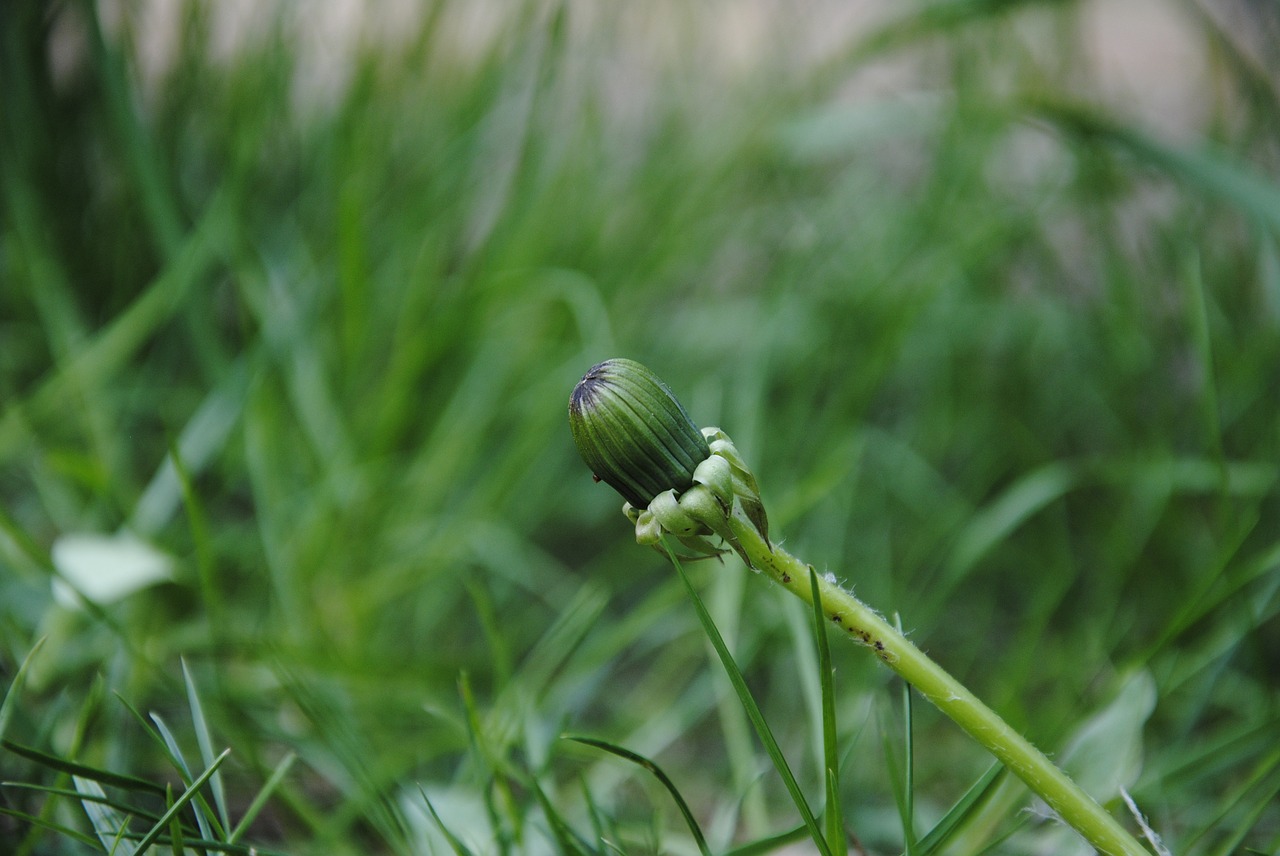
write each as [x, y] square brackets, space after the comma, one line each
[633, 433]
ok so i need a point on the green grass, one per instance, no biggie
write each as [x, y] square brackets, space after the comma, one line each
[1004, 355]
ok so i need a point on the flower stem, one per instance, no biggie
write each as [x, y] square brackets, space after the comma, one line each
[1064, 796]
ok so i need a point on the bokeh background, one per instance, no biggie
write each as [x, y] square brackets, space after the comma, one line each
[292, 297]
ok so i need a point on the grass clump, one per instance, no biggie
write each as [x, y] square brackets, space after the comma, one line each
[1001, 345]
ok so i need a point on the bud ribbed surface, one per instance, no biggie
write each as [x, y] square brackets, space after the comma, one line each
[632, 432]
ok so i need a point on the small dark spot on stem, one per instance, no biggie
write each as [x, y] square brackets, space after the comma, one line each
[786, 578]
[837, 619]
[879, 645]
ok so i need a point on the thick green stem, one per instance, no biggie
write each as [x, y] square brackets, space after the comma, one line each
[1064, 796]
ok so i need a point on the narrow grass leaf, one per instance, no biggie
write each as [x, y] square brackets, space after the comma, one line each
[187, 796]
[210, 827]
[202, 437]
[489, 761]
[909, 762]
[1197, 310]
[642, 761]
[205, 742]
[45, 823]
[159, 204]
[35, 553]
[893, 765]
[1245, 825]
[770, 844]
[993, 523]
[750, 706]
[167, 743]
[598, 817]
[972, 801]
[1235, 798]
[492, 629]
[202, 541]
[455, 842]
[1215, 589]
[180, 763]
[108, 824]
[1210, 171]
[997, 845]
[119, 805]
[260, 800]
[15, 688]
[111, 348]
[175, 826]
[569, 842]
[833, 817]
[62, 765]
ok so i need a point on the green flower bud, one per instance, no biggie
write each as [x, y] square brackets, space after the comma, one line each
[632, 433]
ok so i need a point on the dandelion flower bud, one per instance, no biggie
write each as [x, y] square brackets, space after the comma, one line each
[632, 433]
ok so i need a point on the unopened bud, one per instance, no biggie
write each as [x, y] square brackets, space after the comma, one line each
[633, 433]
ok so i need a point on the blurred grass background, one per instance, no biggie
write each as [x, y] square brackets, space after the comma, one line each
[989, 292]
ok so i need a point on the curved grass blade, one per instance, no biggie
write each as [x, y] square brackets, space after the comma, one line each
[277, 776]
[566, 838]
[187, 796]
[1264, 794]
[973, 800]
[455, 842]
[749, 705]
[197, 844]
[833, 818]
[770, 844]
[15, 687]
[135, 811]
[657, 772]
[205, 819]
[43, 823]
[109, 824]
[1213, 172]
[593, 812]
[205, 741]
[210, 828]
[129, 783]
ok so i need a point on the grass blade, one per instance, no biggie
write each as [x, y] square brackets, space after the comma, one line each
[205, 742]
[187, 796]
[567, 840]
[657, 772]
[965, 807]
[203, 818]
[277, 776]
[770, 844]
[135, 811]
[1210, 171]
[833, 818]
[15, 687]
[109, 824]
[43, 823]
[750, 706]
[116, 780]
[175, 828]
[909, 763]
[455, 842]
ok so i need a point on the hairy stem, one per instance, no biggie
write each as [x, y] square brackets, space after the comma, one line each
[1064, 796]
